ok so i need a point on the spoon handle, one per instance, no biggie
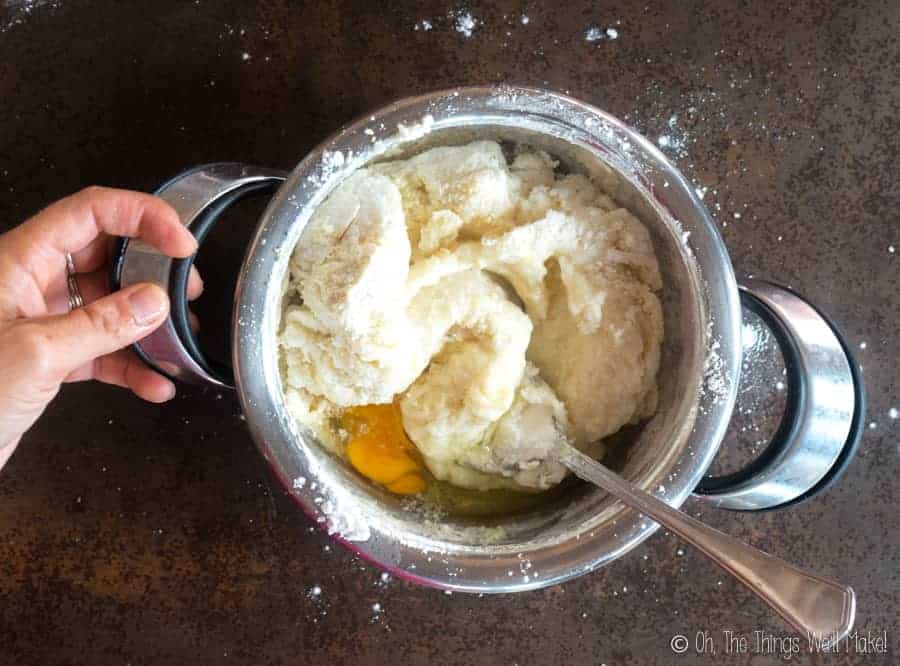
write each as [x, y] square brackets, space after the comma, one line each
[814, 606]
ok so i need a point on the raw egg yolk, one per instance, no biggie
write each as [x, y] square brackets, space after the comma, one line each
[379, 449]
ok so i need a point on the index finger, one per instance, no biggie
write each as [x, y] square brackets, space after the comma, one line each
[71, 224]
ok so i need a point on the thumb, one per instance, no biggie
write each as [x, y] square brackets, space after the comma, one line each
[104, 326]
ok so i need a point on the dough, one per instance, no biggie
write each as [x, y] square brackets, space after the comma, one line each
[505, 308]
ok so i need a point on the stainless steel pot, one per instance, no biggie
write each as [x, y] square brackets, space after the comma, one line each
[698, 377]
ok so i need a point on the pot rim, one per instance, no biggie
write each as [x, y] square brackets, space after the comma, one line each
[298, 464]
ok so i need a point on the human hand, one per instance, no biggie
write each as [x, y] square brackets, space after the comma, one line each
[42, 343]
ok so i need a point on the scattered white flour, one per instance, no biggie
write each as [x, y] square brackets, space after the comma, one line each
[465, 23]
[675, 141]
[863, 345]
[18, 11]
[715, 382]
[338, 510]
[891, 249]
[245, 56]
[331, 161]
[893, 413]
[417, 130]
[423, 25]
[525, 19]
[595, 34]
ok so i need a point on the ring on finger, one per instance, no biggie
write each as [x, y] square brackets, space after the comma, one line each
[75, 298]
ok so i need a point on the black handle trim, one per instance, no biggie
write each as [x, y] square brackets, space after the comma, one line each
[181, 268]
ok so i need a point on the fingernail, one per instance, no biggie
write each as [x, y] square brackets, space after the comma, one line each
[194, 242]
[171, 391]
[148, 303]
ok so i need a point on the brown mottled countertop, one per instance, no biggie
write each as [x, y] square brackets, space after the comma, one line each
[146, 535]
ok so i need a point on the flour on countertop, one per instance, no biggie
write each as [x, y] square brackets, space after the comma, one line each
[675, 140]
[595, 34]
[21, 10]
[465, 23]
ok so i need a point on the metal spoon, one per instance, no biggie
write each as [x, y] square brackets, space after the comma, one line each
[815, 606]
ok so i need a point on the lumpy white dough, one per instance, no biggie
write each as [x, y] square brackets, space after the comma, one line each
[410, 279]
[346, 341]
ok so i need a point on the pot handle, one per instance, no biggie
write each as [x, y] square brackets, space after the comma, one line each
[823, 418]
[199, 196]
